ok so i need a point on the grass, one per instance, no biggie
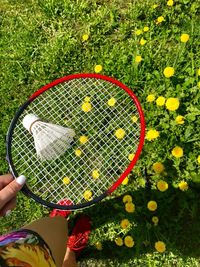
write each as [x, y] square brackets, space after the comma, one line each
[42, 41]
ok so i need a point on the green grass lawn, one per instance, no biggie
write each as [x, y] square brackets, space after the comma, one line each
[42, 40]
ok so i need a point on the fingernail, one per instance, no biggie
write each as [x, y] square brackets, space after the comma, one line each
[21, 179]
[8, 212]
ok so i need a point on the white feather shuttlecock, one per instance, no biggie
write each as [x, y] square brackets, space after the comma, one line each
[51, 140]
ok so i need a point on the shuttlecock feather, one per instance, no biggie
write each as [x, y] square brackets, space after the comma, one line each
[51, 140]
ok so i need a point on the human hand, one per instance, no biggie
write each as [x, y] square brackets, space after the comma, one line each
[8, 191]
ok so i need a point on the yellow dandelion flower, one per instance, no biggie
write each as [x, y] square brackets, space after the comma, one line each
[119, 241]
[66, 180]
[138, 59]
[124, 223]
[120, 133]
[86, 107]
[158, 167]
[152, 205]
[78, 152]
[98, 245]
[160, 20]
[146, 29]
[177, 152]
[134, 119]
[162, 185]
[198, 159]
[130, 207]
[170, 2]
[125, 181]
[83, 139]
[168, 72]
[150, 98]
[138, 32]
[95, 174]
[85, 37]
[127, 199]
[160, 101]
[87, 99]
[111, 102]
[155, 220]
[131, 156]
[98, 68]
[198, 72]
[152, 134]
[183, 186]
[184, 37]
[128, 241]
[143, 41]
[172, 104]
[87, 195]
[160, 246]
[179, 119]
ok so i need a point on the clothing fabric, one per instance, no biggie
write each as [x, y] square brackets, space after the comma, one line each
[25, 248]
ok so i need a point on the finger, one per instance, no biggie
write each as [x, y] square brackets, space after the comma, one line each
[8, 207]
[8, 192]
[5, 179]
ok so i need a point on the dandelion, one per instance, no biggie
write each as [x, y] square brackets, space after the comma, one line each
[179, 119]
[142, 41]
[134, 119]
[146, 29]
[177, 152]
[78, 152]
[85, 37]
[83, 139]
[160, 20]
[152, 134]
[138, 59]
[120, 133]
[125, 181]
[119, 241]
[155, 220]
[98, 68]
[130, 207]
[87, 99]
[127, 199]
[66, 180]
[168, 72]
[111, 102]
[128, 241]
[160, 101]
[124, 223]
[152, 205]
[87, 195]
[131, 156]
[198, 72]
[98, 245]
[172, 104]
[162, 185]
[95, 174]
[158, 167]
[184, 37]
[150, 98]
[138, 32]
[170, 2]
[183, 186]
[160, 246]
[86, 107]
[198, 159]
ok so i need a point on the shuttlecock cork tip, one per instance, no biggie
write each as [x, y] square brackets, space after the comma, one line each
[28, 120]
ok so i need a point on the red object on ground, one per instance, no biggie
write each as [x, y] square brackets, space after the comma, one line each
[63, 213]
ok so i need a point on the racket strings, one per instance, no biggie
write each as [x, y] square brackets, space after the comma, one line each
[103, 152]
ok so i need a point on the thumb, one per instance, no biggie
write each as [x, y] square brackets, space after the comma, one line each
[10, 191]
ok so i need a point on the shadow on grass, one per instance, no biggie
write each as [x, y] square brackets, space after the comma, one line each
[178, 227]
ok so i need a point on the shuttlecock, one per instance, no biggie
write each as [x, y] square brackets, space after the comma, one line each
[51, 140]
